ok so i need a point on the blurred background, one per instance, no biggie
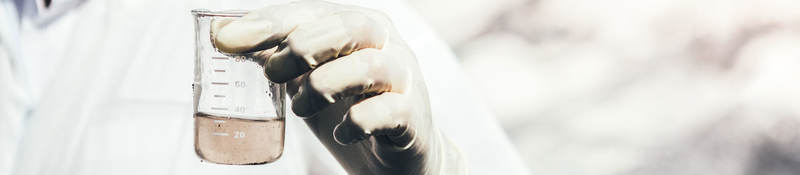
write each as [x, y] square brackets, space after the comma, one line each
[632, 86]
[579, 86]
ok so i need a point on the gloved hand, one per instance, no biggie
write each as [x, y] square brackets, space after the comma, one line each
[353, 81]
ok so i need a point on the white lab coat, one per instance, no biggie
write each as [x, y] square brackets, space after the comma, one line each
[111, 89]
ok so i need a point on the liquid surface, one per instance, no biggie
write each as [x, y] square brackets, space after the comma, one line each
[236, 141]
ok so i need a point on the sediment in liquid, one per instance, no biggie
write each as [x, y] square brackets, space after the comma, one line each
[237, 141]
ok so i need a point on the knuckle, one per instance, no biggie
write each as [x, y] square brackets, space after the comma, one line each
[316, 81]
[358, 115]
[353, 113]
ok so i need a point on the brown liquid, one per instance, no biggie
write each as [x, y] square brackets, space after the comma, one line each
[237, 141]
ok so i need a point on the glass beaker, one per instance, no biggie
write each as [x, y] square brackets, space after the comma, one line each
[238, 113]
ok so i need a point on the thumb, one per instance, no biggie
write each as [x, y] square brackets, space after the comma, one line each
[266, 27]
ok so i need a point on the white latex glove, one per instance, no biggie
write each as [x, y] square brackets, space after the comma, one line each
[352, 79]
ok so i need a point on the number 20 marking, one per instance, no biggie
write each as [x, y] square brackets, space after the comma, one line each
[238, 134]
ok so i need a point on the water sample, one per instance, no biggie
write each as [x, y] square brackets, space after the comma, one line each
[238, 113]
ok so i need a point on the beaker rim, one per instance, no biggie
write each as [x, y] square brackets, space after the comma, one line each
[223, 13]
